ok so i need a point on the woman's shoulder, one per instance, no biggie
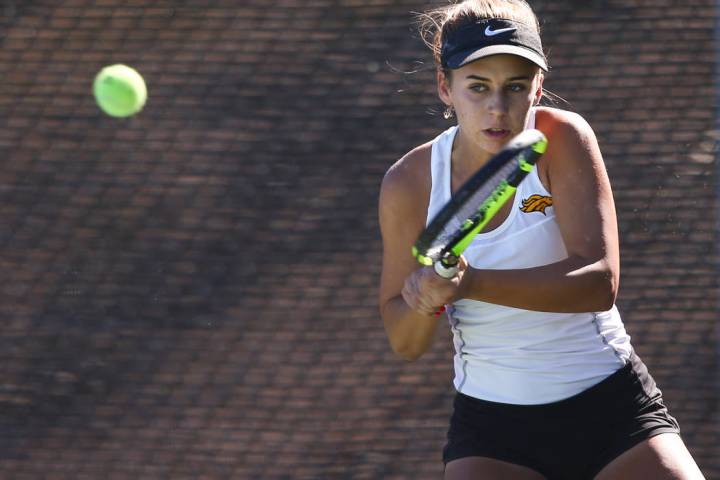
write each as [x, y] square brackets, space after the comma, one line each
[405, 190]
[566, 125]
[571, 143]
[411, 173]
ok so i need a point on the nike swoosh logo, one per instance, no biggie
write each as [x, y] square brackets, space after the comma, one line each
[491, 33]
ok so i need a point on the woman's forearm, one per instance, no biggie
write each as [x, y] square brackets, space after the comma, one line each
[571, 285]
[410, 332]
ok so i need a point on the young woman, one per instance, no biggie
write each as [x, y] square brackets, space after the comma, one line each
[548, 385]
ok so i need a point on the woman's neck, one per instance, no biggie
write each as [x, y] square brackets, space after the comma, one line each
[466, 158]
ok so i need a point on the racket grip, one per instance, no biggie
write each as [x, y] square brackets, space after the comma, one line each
[445, 271]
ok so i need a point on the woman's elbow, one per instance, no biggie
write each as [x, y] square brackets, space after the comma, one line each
[608, 290]
[407, 354]
[405, 349]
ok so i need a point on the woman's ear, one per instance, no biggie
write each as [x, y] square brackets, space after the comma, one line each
[443, 88]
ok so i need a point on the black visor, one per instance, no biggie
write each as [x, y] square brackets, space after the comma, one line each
[493, 36]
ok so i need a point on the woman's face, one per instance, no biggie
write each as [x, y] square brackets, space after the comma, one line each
[492, 97]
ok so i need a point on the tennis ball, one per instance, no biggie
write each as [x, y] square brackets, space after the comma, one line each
[119, 90]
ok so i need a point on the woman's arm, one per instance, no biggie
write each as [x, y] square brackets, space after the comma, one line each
[409, 295]
[588, 279]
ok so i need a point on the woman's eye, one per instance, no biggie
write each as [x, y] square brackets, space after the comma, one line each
[516, 87]
[478, 88]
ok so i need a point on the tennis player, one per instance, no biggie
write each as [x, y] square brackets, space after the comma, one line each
[548, 385]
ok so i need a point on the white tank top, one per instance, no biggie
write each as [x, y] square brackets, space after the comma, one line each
[511, 355]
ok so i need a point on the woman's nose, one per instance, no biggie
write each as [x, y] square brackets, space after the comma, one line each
[498, 104]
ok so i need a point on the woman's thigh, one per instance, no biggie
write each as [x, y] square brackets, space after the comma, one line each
[479, 468]
[662, 457]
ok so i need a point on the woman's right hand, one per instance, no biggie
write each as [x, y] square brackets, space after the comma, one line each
[427, 292]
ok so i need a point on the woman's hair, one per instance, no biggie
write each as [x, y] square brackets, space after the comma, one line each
[432, 24]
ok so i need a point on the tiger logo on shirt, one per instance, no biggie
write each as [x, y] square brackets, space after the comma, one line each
[536, 203]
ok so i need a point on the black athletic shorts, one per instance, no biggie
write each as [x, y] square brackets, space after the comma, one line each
[571, 439]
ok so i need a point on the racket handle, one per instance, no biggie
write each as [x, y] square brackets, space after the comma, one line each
[445, 271]
[446, 268]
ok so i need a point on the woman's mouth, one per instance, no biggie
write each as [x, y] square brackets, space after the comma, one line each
[496, 133]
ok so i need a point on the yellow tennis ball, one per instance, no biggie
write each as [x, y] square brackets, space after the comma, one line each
[119, 90]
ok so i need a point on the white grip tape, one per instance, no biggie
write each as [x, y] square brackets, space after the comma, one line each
[445, 272]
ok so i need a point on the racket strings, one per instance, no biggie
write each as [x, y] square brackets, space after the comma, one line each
[480, 198]
[468, 210]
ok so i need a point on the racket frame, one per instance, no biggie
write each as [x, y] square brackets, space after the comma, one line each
[447, 260]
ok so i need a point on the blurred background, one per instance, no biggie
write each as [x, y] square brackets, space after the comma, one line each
[191, 292]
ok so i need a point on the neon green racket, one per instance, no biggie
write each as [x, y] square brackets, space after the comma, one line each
[476, 202]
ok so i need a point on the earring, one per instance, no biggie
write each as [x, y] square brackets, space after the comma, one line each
[449, 112]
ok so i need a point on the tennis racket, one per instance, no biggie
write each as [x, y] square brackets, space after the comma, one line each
[476, 202]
